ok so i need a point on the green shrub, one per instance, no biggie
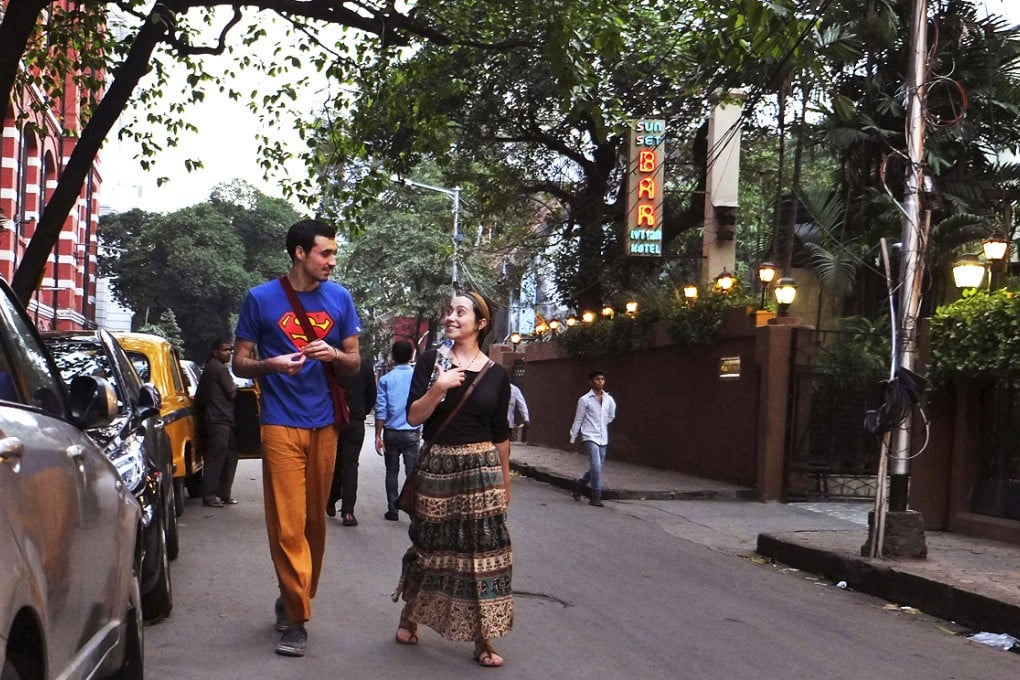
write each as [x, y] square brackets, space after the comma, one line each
[608, 336]
[976, 336]
[688, 324]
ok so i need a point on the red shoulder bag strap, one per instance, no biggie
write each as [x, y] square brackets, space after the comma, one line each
[341, 412]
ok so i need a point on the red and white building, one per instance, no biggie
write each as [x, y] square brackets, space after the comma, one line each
[30, 165]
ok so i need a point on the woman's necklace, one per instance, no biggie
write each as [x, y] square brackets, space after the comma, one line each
[468, 365]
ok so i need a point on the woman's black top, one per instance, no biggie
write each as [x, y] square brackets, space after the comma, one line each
[483, 416]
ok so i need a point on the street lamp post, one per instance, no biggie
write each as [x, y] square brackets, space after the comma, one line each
[995, 248]
[786, 292]
[766, 272]
[969, 272]
[453, 193]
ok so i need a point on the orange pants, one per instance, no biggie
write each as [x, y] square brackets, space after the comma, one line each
[297, 469]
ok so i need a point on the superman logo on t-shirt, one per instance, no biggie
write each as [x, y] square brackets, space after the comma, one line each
[289, 324]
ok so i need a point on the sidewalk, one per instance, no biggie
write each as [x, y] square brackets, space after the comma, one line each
[974, 582]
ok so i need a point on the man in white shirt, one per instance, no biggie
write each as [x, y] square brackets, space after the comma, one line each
[517, 407]
[595, 410]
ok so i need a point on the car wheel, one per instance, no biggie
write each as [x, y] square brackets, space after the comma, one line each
[178, 496]
[134, 641]
[170, 512]
[157, 603]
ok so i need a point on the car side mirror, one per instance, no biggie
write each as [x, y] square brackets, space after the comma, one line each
[149, 401]
[93, 401]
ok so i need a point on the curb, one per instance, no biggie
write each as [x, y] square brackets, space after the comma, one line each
[543, 474]
[945, 601]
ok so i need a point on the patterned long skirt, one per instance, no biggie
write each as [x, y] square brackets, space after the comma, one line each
[457, 572]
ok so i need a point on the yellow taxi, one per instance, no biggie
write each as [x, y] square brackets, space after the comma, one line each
[247, 417]
[158, 362]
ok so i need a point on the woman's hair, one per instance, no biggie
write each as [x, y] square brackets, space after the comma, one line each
[481, 312]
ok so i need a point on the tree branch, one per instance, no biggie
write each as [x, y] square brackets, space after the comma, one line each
[79, 164]
[185, 49]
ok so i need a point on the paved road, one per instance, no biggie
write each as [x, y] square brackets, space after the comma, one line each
[662, 589]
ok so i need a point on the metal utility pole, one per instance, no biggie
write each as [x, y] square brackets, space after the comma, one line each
[453, 193]
[913, 238]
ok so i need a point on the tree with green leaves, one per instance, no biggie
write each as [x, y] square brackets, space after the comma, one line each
[167, 327]
[971, 107]
[544, 120]
[136, 44]
[399, 261]
[199, 261]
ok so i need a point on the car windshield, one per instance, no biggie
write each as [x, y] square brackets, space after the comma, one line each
[141, 364]
[83, 356]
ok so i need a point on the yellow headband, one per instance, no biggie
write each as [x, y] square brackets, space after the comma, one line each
[482, 306]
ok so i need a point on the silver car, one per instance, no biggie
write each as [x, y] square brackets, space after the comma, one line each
[70, 605]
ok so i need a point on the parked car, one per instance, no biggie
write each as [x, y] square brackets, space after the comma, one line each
[70, 603]
[138, 446]
[247, 418]
[158, 362]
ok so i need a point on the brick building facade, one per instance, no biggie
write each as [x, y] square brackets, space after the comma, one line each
[30, 165]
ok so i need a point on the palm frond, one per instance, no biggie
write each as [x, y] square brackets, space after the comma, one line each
[836, 269]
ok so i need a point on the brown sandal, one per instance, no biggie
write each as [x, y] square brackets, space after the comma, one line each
[411, 638]
[486, 656]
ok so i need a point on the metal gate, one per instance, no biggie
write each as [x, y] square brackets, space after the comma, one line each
[835, 376]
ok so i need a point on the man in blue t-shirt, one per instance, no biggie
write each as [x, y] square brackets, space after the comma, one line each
[299, 432]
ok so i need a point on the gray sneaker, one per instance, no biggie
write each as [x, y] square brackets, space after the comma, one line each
[281, 615]
[293, 641]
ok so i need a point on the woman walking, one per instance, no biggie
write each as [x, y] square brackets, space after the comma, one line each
[456, 575]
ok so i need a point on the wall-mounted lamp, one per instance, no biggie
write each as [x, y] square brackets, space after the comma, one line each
[554, 325]
[786, 293]
[969, 272]
[691, 292]
[515, 340]
[631, 308]
[588, 316]
[571, 320]
[10, 224]
[608, 312]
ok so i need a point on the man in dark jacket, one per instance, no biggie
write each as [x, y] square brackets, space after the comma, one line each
[215, 397]
[360, 397]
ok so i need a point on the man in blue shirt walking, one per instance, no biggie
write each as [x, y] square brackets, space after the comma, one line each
[394, 438]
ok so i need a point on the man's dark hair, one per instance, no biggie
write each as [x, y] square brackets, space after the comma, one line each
[402, 351]
[596, 373]
[303, 234]
[216, 345]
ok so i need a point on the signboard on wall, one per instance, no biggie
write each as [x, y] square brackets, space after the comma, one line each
[645, 157]
[729, 368]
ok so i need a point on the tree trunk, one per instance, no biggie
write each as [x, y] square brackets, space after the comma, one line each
[798, 157]
[778, 237]
[20, 18]
[79, 164]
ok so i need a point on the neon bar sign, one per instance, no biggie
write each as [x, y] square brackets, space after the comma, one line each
[645, 156]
